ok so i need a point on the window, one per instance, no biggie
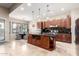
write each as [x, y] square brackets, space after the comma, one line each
[14, 27]
[1, 25]
[2, 30]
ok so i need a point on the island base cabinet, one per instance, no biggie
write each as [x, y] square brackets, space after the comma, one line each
[43, 42]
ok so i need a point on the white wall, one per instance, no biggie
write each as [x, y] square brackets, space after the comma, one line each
[34, 30]
[74, 16]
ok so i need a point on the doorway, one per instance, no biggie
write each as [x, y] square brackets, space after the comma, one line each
[77, 36]
[77, 31]
[19, 31]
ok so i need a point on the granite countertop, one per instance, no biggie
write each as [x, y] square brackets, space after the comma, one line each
[49, 34]
[44, 34]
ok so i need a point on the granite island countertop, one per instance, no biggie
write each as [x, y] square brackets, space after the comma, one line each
[44, 34]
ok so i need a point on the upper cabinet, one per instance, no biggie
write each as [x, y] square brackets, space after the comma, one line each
[66, 22]
[39, 25]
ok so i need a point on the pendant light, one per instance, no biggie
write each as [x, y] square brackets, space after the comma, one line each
[33, 15]
[39, 14]
[47, 6]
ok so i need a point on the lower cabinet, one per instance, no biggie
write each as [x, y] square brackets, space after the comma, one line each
[64, 38]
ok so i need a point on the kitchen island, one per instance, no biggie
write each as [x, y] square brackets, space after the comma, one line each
[45, 41]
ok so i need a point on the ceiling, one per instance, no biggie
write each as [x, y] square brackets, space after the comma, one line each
[55, 9]
[6, 5]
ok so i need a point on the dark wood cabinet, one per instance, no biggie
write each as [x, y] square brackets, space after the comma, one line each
[39, 25]
[65, 22]
[62, 23]
[64, 38]
[42, 41]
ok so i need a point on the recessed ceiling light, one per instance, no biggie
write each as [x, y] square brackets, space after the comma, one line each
[37, 16]
[44, 14]
[22, 8]
[62, 9]
[47, 18]
[29, 4]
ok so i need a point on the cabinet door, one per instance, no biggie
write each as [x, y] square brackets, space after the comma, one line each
[54, 22]
[47, 24]
[68, 38]
[60, 37]
[45, 42]
[64, 38]
[63, 22]
[67, 23]
[38, 24]
[37, 42]
[30, 39]
[44, 24]
[58, 23]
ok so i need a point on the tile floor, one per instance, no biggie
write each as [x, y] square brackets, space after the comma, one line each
[22, 48]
